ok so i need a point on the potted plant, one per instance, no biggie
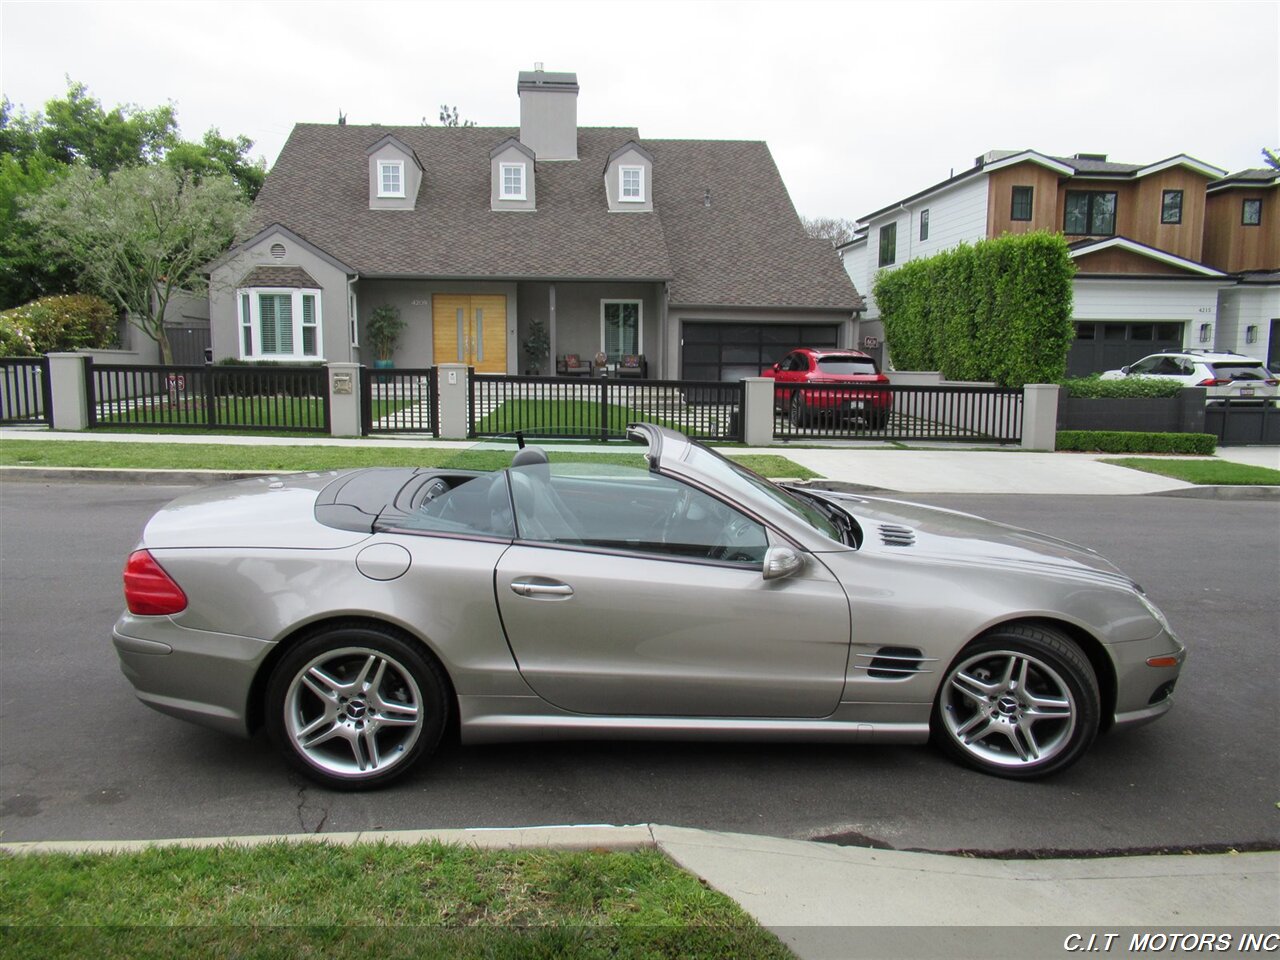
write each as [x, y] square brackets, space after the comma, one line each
[382, 333]
[536, 347]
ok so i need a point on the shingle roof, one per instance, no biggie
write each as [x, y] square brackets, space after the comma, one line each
[1260, 175]
[1085, 165]
[278, 277]
[747, 249]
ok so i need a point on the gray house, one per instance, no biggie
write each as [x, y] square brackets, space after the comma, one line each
[686, 253]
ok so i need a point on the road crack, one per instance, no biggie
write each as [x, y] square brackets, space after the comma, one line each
[304, 807]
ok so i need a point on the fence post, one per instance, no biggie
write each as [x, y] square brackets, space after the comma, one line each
[757, 411]
[454, 401]
[344, 400]
[67, 391]
[1040, 416]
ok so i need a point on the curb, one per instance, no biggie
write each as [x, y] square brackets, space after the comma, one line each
[587, 837]
[1241, 492]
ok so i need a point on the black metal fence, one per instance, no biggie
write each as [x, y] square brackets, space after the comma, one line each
[600, 409]
[969, 414]
[1241, 422]
[25, 393]
[287, 399]
[400, 401]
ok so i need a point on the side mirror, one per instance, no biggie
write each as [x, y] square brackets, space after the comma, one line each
[781, 562]
[775, 368]
[1125, 371]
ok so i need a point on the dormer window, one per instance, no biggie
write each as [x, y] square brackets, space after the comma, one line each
[513, 181]
[631, 184]
[390, 178]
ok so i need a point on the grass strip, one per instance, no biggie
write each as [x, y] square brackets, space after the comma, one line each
[316, 899]
[566, 415]
[212, 456]
[1202, 472]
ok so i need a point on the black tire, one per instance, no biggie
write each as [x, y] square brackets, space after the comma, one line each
[799, 415]
[356, 706]
[1030, 729]
[878, 419]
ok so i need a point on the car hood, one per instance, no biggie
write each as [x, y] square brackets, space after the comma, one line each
[913, 529]
[273, 511]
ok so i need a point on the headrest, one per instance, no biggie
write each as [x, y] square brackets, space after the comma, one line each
[529, 455]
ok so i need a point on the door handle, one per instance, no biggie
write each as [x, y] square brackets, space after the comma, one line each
[529, 588]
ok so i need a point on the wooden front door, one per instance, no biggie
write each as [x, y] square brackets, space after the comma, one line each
[470, 330]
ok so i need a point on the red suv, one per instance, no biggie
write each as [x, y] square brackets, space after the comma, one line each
[838, 377]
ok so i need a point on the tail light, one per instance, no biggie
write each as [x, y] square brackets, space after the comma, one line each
[1212, 383]
[1272, 383]
[148, 590]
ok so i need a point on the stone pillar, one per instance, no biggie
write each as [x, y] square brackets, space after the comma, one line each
[757, 411]
[66, 386]
[344, 400]
[454, 399]
[1040, 416]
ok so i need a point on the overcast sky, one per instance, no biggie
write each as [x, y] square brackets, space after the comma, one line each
[861, 103]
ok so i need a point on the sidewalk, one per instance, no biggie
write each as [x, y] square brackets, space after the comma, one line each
[825, 901]
[921, 469]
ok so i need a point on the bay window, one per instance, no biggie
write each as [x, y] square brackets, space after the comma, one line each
[279, 324]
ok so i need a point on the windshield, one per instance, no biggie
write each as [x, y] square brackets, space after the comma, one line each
[1240, 371]
[737, 480]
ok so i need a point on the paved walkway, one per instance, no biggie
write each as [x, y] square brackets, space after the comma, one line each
[921, 469]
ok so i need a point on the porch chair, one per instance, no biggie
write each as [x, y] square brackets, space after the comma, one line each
[571, 365]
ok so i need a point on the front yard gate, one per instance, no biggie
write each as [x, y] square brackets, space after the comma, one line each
[400, 401]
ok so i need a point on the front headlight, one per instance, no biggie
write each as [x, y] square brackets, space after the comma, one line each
[1155, 612]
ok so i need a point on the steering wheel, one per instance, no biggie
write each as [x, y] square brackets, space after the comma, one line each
[733, 544]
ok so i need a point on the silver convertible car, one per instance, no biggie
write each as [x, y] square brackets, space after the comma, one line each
[358, 614]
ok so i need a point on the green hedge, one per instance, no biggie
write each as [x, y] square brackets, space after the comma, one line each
[1093, 388]
[58, 323]
[998, 310]
[1122, 441]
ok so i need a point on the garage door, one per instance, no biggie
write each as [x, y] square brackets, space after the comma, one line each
[1109, 346]
[731, 351]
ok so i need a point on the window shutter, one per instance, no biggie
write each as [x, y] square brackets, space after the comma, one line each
[267, 324]
[284, 322]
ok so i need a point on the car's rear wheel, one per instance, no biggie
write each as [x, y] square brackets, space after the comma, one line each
[355, 706]
[799, 413]
[1020, 702]
[878, 419]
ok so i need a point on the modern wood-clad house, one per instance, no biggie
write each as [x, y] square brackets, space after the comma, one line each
[1158, 260]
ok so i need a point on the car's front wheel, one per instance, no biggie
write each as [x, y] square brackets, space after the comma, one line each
[355, 706]
[1021, 702]
[799, 412]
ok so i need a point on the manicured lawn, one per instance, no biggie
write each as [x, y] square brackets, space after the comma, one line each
[212, 456]
[568, 416]
[1204, 472]
[289, 900]
[253, 411]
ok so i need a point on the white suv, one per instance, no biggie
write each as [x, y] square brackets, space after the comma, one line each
[1225, 376]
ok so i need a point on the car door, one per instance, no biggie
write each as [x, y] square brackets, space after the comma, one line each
[630, 593]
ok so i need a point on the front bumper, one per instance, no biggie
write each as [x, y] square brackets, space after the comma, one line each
[1143, 692]
[195, 675]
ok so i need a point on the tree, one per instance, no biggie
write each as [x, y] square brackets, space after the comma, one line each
[217, 154]
[26, 271]
[78, 129]
[1272, 156]
[139, 235]
[449, 117]
[834, 229]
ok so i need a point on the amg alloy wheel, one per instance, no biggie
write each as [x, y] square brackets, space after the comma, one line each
[354, 707]
[1021, 702]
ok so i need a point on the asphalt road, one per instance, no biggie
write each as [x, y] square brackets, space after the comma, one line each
[80, 758]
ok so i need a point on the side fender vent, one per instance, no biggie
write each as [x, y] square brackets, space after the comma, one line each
[896, 663]
[894, 535]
